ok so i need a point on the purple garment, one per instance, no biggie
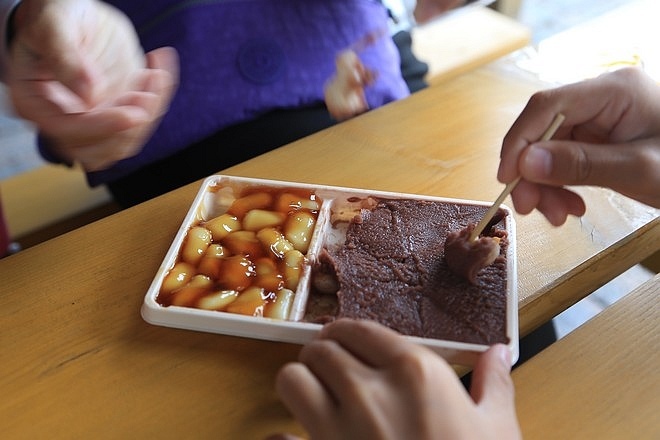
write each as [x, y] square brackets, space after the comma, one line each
[243, 58]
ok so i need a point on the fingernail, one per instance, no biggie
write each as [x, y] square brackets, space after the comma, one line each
[538, 161]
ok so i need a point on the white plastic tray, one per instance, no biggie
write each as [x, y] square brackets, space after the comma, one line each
[211, 202]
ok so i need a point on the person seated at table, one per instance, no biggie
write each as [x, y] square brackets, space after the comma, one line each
[251, 79]
[363, 380]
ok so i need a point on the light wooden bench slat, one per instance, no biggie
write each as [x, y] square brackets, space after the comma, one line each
[600, 381]
[466, 39]
[46, 195]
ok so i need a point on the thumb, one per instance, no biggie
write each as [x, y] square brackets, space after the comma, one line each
[492, 386]
[493, 392]
[628, 168]
[561, 163]
[165, 58]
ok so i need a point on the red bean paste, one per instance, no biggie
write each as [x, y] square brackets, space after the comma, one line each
[466, 257]
[392, 269]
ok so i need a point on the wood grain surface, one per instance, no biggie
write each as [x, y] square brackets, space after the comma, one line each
[78, 361]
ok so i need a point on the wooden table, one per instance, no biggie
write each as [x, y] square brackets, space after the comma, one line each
[77, 360]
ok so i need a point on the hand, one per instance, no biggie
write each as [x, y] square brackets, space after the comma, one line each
[344, 92]
[610, 138]
[426, 10]
[361, 380]
[78, 72]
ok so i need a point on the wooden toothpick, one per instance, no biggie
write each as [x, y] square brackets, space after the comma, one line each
[547, 135]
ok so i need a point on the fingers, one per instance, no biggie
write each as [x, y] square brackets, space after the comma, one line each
[526, 197]
[59, 113]
[527, 129]
[610, 138]
[88, 46]
[97, 137]
[350, 69]
[327, 380]
[89, 127]
[160, 79]
[350, 353]
[344, 93]
[577, 163]
[492, 386]
[47, 44]
[106, 41]
[403, 390]
[555, 203]
[73, 71]
[336, 368]
[376, 345]
[493, 391]
[579, 103]
[629, 168]
[306, 398]
[617, 107]
[166, 59]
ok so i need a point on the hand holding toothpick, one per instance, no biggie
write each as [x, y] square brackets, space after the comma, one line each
[509, 187]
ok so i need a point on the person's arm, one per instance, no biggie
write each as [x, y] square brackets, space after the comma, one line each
[6, 9]
[610, 138]
[360, 379]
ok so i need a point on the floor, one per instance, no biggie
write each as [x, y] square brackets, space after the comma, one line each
[545, 18]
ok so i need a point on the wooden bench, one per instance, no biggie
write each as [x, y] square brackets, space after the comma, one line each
[601, 381]
[465, 39]
[50, 200]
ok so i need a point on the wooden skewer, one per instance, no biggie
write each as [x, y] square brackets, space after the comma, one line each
[547, 135]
